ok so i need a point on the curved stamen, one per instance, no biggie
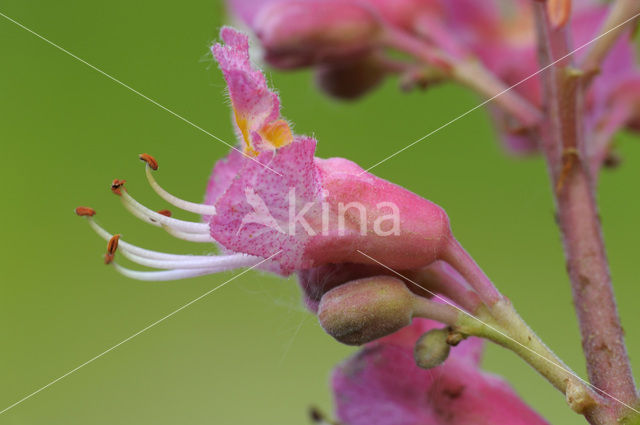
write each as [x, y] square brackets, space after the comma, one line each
[174, 200]
[136, 250]
[157, 219]
[162, 275]
[202, 264]
[191, 237]
[217, 263]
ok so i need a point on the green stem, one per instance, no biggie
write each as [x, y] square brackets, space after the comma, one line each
[502, 325]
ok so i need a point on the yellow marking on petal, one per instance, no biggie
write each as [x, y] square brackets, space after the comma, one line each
[243, 126]
[277, 133]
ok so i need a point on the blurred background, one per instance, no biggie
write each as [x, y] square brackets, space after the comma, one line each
[249, 353]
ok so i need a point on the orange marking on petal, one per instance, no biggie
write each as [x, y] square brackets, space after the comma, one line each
[277, 133]
[85, 211]
[151, 161]
[117, 185]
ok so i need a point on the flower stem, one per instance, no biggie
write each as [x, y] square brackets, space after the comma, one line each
[443, 279]
[577, 215]
[620, 11]
[467, 71]
[502, 325]
[464, 264]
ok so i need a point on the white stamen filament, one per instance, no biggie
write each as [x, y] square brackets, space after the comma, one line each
[175, 201]
[162, 275]
[217, 263]
[191, 237]
[157, 219]
[122, 245]
[178, 266]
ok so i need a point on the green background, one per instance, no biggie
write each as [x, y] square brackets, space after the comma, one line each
[248, 353]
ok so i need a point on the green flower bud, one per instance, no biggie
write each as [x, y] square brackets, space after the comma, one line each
[432, 349]
[366, 309]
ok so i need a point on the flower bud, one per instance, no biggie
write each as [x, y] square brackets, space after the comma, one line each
[559, 12]
[432, 348]
[350, 79]
[296, 34]
[578, 397]
[366, 309]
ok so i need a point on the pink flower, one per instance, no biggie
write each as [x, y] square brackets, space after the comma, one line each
[381, 385]
[314, 211]
[271, 199]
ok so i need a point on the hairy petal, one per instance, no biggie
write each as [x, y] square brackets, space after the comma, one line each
[256, 108]
[242, 225]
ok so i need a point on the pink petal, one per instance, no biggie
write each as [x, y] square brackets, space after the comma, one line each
[224, 171]
[256, 108]
[295, 164]
[381, 385]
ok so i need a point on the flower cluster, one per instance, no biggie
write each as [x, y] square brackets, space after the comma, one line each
[272, 204]
[347, 44]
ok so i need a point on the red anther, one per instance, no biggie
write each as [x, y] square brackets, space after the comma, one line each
[112, 246]
[166, 213]
[117, 185]
[85, 211]
[151, 161]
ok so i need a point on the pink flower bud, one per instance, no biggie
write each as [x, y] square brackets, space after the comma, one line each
[366, 309]
[296, 34]
[350, 79]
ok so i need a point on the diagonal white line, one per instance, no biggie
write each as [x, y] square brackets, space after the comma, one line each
[114, 79]
[502, 333]
[501, 93]
[135, 335]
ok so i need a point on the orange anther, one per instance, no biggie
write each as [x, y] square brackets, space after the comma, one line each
[112, 246]
[108, 258]
[85, 211]
[151, 161]
[117, 185]
[166, 213]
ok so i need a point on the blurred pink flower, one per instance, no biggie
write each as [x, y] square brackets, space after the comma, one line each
[341, 40]
[611, 101]
[381, 385]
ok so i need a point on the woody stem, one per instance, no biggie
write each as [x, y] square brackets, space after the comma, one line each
[577, 215]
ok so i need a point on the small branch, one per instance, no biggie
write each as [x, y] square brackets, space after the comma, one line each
[621, 11]
[469, 72]
[577, 215]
